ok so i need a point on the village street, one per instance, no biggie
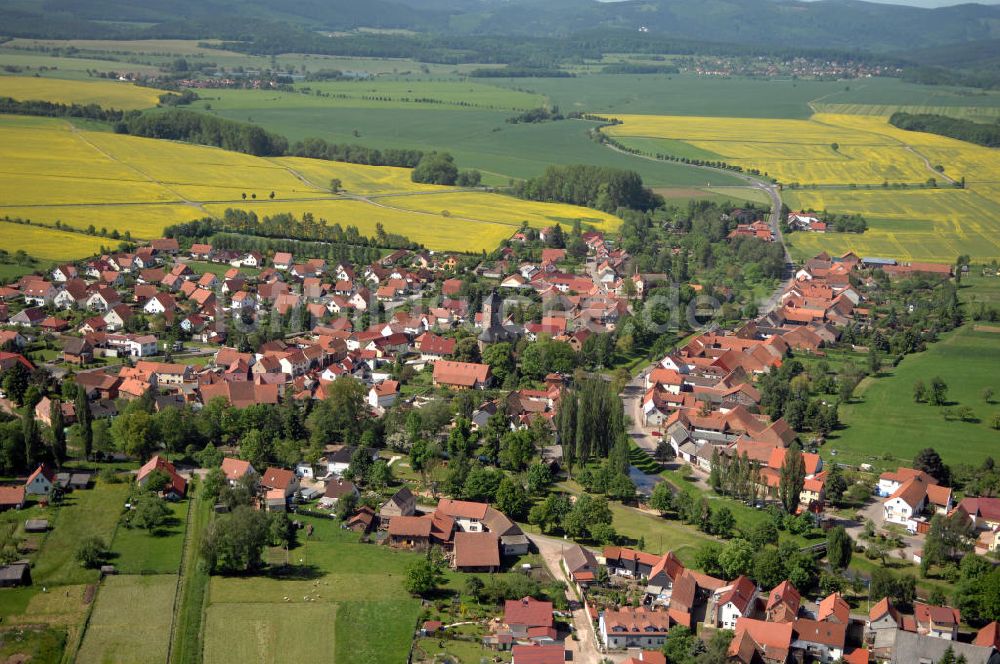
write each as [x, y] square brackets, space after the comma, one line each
[584, 648]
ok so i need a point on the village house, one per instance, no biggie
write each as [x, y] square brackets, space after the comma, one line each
[236, 469]
[280, 479]
[468, 516]
[917, 495]
[176, 485]
[633, 627]
[40, 482]
[462, 375]
[822, 641]
[760, 642]
[529, 618]
[402, 503]
[335, 490]
[382, 395]
[938, 621]
[731, 603]
[476, 551]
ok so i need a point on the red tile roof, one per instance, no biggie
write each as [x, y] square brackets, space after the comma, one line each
[462, 509]
[528, 611]
[461, 374]
[827, 633]
[277, 478]
[11, 495]
[989, 636]
[834, 607]
[410, 526]
[476, 550]
[539, 654]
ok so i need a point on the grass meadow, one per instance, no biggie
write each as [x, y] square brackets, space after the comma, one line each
[131, 620]
[141, 552]
[92, 512]
[346, 604]
[885, 427]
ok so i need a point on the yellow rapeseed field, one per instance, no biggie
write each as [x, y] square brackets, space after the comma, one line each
[355, 178]
[49, 243]
[109, 94]
[503, 209]
[429, 229]
[53, 172]
[792, 151]
[915, 223]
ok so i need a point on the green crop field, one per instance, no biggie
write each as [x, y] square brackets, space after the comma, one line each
[479, 139]
[93, 512]
[142, 552]
[885, 427]
[130, 622]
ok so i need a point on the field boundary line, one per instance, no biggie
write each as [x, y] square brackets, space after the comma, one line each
[181, 576]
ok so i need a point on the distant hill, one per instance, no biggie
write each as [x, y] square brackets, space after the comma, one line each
[829, 24]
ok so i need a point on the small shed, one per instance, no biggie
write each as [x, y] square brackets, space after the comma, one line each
[80, 480]
[36, 525]
[15, 574]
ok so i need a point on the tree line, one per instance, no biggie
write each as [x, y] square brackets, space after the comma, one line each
[598, 187]
[285, 226]
[192, 127]
[50, 109]
[987, 135]
[317, 148]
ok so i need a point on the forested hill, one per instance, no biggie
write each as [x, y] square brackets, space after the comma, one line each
[840, 24]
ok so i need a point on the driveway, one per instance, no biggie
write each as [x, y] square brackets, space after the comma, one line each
[873, 510]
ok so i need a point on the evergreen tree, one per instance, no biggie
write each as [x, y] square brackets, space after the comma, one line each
[792, 479]
[58, 430]
[84, 421]
[29, 434]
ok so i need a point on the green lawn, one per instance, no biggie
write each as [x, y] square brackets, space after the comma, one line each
[218, 269]
[142, 552]
[130, 622]
[660, 535]
[885, 427]
[84, 513]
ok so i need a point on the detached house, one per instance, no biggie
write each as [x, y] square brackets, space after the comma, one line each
[176, 486]
[236, 469]
[40, 482]
[279, 479]
[917, 495]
